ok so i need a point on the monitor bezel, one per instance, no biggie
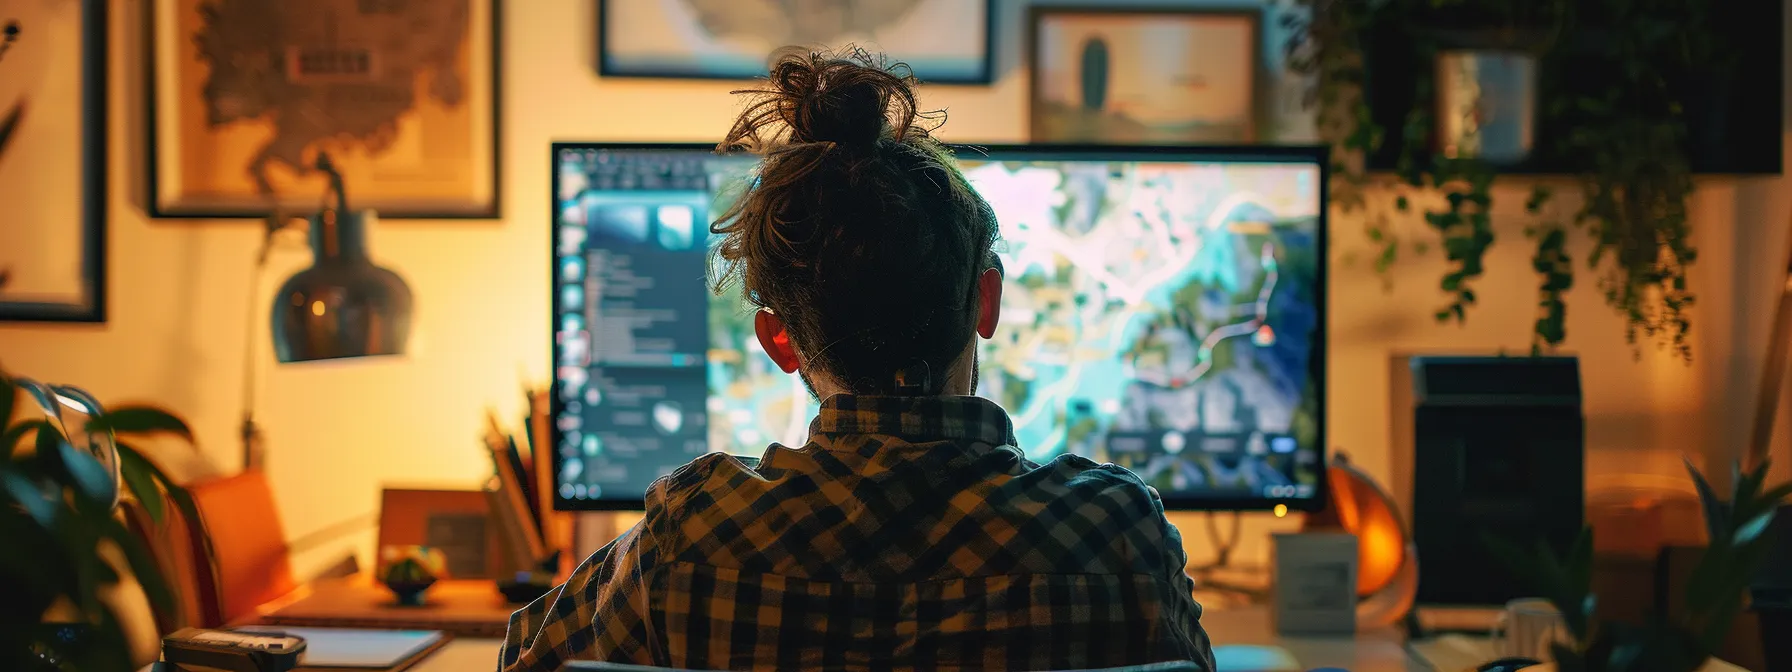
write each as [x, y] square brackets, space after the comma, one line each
[1316, 155]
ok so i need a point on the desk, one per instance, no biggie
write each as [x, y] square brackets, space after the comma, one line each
[462, 655]
[1374, 651]
[463, 608]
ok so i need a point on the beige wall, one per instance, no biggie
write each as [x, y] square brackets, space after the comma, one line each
[180, 296]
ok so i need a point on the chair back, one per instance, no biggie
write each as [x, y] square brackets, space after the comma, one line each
[247, 563]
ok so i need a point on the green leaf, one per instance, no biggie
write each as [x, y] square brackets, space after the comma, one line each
[1538, 198]
[8, 397]
[142, 481]
[183, 500]
[1568, 659]
[140, 420]
[1751, 530]
[1626, 655]
[38, 503]
[143, 565]
[9, 440]
[1580, 563]
[75, 532]
[1776, 496]
[1717, 523]
[49, 441]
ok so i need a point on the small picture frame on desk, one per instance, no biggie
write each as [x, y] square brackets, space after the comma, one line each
[456, 522]
[1315, 584]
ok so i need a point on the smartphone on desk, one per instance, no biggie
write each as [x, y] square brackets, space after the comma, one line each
[201, 650]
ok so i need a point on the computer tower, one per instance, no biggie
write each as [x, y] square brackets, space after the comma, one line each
[1497, 449]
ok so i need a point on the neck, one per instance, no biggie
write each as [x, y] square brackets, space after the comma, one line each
[960, 381]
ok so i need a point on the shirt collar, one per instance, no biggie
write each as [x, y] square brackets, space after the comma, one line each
[961, 419]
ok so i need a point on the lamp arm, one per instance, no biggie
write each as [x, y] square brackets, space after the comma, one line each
[248, 431]
[335, 177]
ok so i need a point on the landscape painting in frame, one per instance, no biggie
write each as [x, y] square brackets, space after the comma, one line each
[1144, 77]
[401, 94]
[942, 41]
[52, 160]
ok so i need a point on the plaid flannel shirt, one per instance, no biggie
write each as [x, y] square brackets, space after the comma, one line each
[909, 533]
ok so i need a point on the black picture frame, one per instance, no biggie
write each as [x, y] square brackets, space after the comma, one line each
[493, 209]
[606, 68]
[1039, 14]
[92, 150]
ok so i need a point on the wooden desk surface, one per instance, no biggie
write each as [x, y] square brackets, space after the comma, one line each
[1372, 651]
[463, 608]
[462, 655]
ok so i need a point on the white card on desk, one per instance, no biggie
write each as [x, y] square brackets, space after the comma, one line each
[365, 649]
[1315, 583]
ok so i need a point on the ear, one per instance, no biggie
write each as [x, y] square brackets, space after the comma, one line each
[989, 297]
[776, 340]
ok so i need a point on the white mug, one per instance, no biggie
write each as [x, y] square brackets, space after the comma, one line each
[1527, 628]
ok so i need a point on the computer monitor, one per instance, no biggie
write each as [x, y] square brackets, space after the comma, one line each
[1163, 309]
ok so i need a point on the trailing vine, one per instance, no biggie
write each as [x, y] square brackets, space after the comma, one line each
[1628, 139]
[1638, 175]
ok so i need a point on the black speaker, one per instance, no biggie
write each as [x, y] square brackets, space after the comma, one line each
[1770, 594]
[1498, 449]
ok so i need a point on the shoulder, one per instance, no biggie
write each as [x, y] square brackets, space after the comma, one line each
[699, 476]
[693, 489]
[1105, 482]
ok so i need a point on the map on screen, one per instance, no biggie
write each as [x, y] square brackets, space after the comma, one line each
[1157, 314]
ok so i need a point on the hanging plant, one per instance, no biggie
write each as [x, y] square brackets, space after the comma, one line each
[1628, 141]
[1632, 135]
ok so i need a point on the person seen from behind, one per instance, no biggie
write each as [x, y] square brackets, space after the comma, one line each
[909, 531]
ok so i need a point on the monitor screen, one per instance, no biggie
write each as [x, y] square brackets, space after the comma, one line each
[1163, 310]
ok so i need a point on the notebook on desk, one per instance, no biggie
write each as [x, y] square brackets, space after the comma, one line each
[347, 650]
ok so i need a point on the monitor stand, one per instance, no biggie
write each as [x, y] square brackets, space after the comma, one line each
[1207, 577]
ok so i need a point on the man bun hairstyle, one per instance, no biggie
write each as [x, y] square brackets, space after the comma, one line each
[858, 230]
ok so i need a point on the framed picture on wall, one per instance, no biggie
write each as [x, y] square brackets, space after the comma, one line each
[1110, 76]
[53, 160]
[942, 41]
[402, 95]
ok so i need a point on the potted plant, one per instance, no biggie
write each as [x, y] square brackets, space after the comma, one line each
[60, 476]
[1677, 642]
[1624, 129]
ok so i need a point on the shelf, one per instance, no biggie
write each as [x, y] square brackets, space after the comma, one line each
[1734, 118]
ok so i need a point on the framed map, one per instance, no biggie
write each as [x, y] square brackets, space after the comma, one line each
[53, 160]
[1144, 77]
[943, 41]
[402, 94]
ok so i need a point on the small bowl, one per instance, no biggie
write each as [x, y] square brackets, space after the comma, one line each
[410, 593]
[523, 592]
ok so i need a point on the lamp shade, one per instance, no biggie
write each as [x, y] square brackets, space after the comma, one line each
[343, 305]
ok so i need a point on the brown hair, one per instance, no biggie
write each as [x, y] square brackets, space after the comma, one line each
[858, 231]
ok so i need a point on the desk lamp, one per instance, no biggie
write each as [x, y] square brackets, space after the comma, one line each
[342, 306]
